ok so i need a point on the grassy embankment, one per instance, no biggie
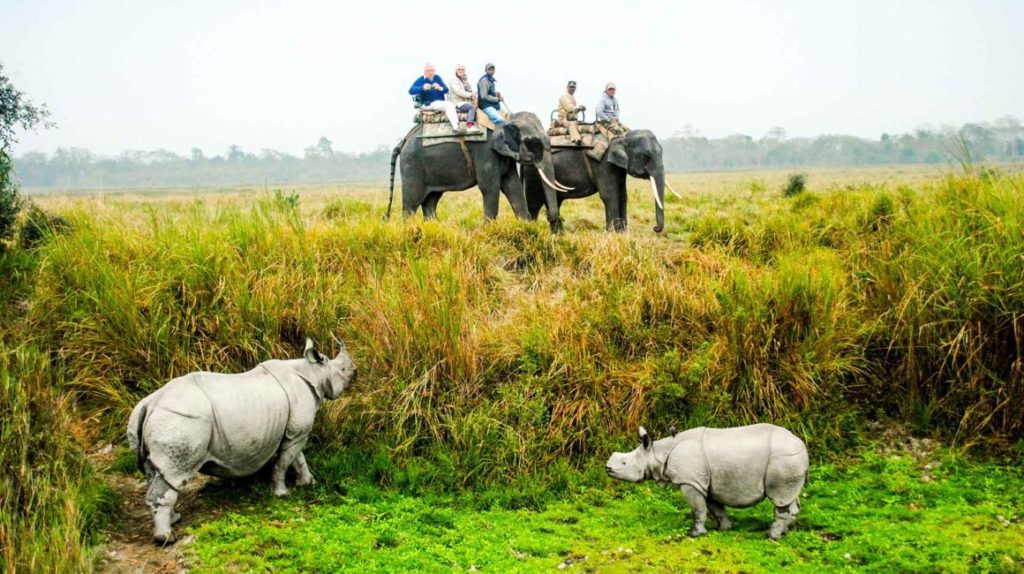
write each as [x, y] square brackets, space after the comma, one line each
[500, 355]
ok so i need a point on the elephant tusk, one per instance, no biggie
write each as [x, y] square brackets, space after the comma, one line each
[654, 190]
[674, 192]
[563, 186]
[551, 185]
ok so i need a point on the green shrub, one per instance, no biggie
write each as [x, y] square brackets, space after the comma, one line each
[10, 201]
[795, 185]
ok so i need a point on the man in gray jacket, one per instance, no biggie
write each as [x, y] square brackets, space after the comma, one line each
[489, 96]
[463, 96]
[608, 113]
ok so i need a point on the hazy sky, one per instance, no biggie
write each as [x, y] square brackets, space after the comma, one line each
[143, 74]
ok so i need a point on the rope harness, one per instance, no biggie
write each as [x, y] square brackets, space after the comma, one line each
[469, 158]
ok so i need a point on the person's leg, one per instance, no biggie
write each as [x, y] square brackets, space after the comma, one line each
[470, 111]
[453, 116]
[574, 132]
[495, 116]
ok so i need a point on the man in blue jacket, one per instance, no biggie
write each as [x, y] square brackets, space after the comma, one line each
[430, 89]
[489, 97]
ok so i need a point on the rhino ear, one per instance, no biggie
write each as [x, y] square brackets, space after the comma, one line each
[645, 438]
[311, 354]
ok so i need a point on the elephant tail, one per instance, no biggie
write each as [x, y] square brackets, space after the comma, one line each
[394, 161]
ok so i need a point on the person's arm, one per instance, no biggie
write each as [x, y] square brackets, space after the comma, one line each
[417, 86]
[444, 87]
[602, 113]
[459, 90]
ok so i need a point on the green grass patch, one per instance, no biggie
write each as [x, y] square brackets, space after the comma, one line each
[874, 513]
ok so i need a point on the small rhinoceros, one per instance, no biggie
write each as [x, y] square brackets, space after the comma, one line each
[715, 468]
[231, 425]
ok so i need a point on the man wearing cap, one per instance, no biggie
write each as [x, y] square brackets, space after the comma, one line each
[489, 97]
[430, 89]
[567, 110]
[608, 113]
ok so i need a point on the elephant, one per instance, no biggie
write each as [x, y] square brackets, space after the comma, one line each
[429, 172]
[636, 153]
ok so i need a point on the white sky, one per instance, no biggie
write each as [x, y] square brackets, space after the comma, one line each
[144, 74]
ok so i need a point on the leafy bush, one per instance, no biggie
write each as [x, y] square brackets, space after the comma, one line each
[10, 201]
[795, 185]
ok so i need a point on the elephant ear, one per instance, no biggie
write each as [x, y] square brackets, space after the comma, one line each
[617, 155]
[506, 141]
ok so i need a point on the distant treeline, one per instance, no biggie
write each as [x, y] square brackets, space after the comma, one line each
[686, 150]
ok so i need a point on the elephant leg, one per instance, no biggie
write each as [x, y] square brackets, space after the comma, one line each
[512, 187]
[161, 498]
[430, 205]
[413, 194]
[285, 458]
[718, 513]
[611, 210]
[699, 506]
[302, 470]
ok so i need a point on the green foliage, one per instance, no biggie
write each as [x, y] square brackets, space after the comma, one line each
[51, 505]
[795, 185]
[897, 512]
[39, 226]
[17, 112]
[10, 201]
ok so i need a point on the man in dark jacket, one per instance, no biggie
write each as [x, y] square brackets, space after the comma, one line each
[430, 89]
[489, 97]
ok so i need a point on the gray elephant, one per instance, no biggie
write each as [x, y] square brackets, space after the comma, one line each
[715, 468]
[636, 153]
[429, 172]
[231, 425]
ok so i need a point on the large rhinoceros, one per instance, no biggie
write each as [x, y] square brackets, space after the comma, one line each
[715, 468]
[231, 425]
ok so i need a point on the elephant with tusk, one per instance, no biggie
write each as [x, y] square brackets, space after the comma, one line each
[232, 425]
[715, 468]
[430, 172]
[636, 153]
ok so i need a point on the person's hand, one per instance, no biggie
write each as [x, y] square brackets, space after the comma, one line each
[582, 108]
[426, 87]
[501, 98]
[438, 87]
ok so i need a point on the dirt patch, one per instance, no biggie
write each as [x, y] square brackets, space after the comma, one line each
[130, 547]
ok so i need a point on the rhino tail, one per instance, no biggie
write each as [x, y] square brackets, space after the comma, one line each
[141, 454]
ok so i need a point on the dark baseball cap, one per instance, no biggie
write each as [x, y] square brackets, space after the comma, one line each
[572, 83]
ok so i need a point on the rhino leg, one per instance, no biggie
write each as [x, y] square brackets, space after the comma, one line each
[290, 450]
[721, 518]
[302, 470]
[784, 516]
[161, 499]
[699, 505]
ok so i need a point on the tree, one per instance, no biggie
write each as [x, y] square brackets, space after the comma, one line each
[322, 150]
[197, 154]
[235, 153]
[15, 112]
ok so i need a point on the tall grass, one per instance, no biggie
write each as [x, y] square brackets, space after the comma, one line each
[50, 503]
[495, 350]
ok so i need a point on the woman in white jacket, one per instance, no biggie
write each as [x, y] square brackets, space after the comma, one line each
[463, 96]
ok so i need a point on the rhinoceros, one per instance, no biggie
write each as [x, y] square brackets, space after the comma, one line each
[715, 468]
[231, 425]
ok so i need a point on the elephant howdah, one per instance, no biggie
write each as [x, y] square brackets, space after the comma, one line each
[430, 171]
[716, 468]
[232, 425]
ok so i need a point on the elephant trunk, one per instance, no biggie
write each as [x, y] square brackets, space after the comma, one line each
[658, 187]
